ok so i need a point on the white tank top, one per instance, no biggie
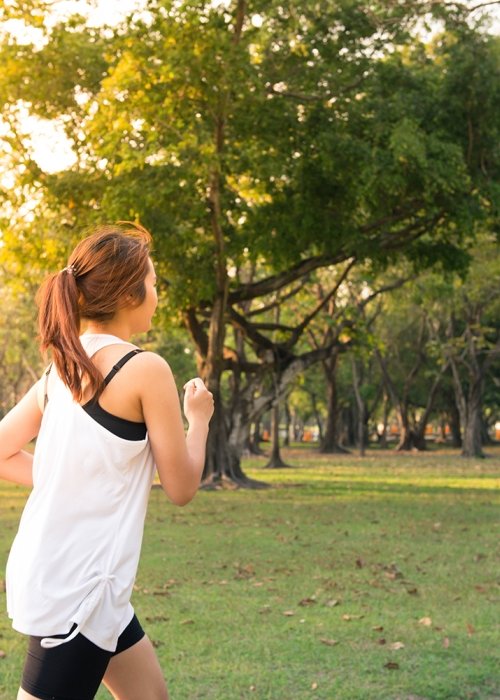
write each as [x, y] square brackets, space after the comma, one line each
[75, 556]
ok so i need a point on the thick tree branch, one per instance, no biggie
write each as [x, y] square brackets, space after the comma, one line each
[388, 242]
[394, 218]
[250, 330]
[197, 332]
[480, 5]
[390, 286]
[297, 332]
[294, 366]
[240, 17]
[277, 302]
[276, 282]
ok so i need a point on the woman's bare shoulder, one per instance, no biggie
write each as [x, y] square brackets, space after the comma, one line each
[147, 360]
[150, 370]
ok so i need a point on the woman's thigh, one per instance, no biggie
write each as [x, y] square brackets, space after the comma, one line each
[73, 670]
[23, 695]
[135, 674]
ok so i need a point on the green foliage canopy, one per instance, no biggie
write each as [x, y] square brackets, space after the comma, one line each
[334, 132]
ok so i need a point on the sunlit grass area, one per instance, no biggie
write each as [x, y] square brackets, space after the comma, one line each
[351, 578]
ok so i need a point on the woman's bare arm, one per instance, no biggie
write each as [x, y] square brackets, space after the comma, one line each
[179, 457]
[17, 429]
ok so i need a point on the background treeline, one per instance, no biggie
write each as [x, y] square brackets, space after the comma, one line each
[321, 180]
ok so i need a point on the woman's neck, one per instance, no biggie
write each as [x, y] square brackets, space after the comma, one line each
[119, 330]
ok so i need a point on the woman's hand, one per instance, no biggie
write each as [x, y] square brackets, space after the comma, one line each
[198, 401]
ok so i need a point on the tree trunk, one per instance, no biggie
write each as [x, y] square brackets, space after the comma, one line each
[275, 462]
[219, 460]
[224, 450]
[330, 443]
[442, 429]
[223, 454]
[361, 430]
[472, 443]
[356, 382]
[485, 434]
[297, 427]
[317, 417]
[470, 409]
[347, 429]
[255, 439]
[288, 424]
[405, 432]
[454, 422]
[400, 400]
[382, 436]
[420, 428]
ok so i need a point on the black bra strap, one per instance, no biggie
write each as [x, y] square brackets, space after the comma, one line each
[119, 365]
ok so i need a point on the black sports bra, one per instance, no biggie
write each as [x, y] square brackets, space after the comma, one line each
[126, 429]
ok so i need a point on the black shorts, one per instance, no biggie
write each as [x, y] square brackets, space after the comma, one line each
[72, 671]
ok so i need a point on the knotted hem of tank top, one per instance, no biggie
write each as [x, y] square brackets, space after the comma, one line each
[83, 613]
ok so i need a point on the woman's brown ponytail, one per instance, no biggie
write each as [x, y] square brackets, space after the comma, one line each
[104, 269]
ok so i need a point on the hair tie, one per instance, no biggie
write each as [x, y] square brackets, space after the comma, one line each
[70, 269]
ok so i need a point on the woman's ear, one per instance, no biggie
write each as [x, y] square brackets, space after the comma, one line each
[129, 300]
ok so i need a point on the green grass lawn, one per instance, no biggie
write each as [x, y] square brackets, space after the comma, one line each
[350, 579]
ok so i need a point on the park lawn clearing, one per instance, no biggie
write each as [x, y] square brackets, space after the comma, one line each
[349, 579]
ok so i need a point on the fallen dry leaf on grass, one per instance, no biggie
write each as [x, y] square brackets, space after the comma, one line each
[328, 642]
[393, 575]
[157, 618]
[426, 621]
[391, 665]
[396, 645]
[392, 572]
[332, 603]
[348, 618]
[244, 571]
